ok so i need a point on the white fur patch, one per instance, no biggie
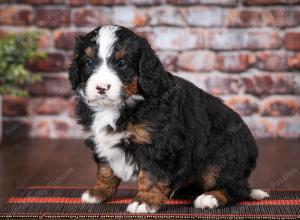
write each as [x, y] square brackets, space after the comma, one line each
[87, 198]
[206, 202]
[135, 207]
[258, 194]
[105, 142]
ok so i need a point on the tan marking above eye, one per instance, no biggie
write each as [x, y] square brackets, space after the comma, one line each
[89, 52]
[120, 54]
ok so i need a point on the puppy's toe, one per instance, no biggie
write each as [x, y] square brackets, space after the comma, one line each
[258, 194]
[135, 207]
[87, 197]
[206, 202]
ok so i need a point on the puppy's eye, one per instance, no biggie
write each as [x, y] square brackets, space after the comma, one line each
[122, 64]
[89, 62]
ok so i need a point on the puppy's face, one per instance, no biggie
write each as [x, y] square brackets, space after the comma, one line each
[106, 65]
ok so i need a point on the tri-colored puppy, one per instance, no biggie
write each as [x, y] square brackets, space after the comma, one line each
[145, 123]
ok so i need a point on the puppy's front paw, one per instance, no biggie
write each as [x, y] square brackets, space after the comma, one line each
[206, 202]
[89, 197]
[136, 207]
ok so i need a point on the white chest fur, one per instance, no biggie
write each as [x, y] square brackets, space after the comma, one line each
[122, 166]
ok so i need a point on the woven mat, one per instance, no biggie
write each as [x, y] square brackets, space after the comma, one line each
[64, 202]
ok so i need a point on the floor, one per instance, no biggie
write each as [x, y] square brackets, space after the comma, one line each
[69, 162]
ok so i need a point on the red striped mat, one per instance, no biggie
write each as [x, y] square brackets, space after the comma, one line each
[62, 202]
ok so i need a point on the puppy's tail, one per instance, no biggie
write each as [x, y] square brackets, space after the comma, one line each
[258, 194]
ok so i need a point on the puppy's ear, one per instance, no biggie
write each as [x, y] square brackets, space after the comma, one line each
[151, 70]
[74, 76]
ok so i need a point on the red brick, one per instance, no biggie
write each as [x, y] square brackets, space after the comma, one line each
[141, 18]
[294, 61]
[129, 16]
[41, 128]
[292, 40]
[169, 60]
[52, 63]
[272, 61]
[36, 2]
[235, 40]
[92, 17]
[14, 106]
[16, 128]
[229, 62]
[289, 128]
[61, 129]
[283, 17]
[45, 40]
[176, 38]
[166, 15]
[263, 84]
[296, 84]
[244, 105]
[279, 106]
[71, 106]
[203, 16]
[145, 2]
[219, 85]
[243, 18]
[12, 15]
[271, 2]
[107, 2]
[204, 2]
[54, 17]
[51, 86]
[65, 40]
[261, 127]
[196, 61]
[47, 106]
[76, 2]
[44, 2]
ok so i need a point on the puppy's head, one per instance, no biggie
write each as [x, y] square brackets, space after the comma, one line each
[112, 64]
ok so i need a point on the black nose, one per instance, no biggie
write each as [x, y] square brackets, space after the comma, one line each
[102, 89]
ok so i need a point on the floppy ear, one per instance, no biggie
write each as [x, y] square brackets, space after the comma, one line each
[151, 71]
[74, 76]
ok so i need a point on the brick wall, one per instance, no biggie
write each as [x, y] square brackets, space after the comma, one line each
[246, 52]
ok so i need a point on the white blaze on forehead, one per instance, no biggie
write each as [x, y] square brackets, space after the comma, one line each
[106, 39]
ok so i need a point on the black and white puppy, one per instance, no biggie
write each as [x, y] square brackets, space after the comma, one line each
[147, 124]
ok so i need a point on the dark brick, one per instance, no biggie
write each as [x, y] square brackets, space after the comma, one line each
[15, 106]
[54, 17]
[12, 15]
[51, 86]
[53, 63]
[292, 41]
[92, 17]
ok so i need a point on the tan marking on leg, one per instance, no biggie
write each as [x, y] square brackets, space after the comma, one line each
[209, 176]
[140, 133]
[151, 191]
[107, 183]
[221, 195]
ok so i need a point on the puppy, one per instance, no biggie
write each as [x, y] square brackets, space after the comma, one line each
[146, 124]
